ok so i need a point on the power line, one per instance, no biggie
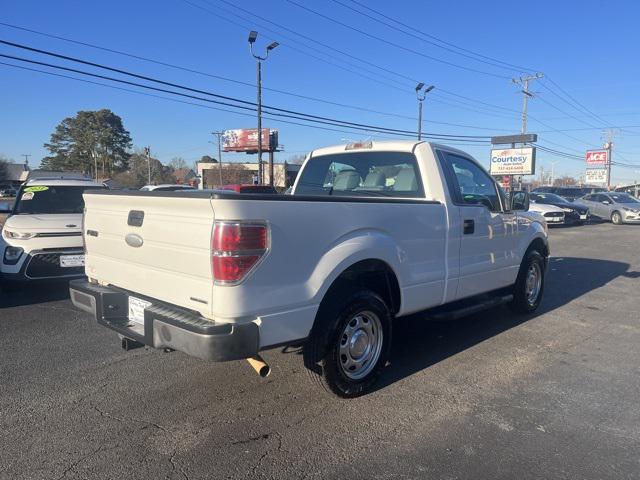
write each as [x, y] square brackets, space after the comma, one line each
[561, 110]
[440, 90]
[277, 120]
[250, 105]
[402, 88]
[174, 99]
[516, 67]
[329, 47]
[239, 82]
[419, 37]
[175, 85]
[585, 109]
[393, 44]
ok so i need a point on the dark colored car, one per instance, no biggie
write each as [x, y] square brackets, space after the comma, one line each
[249, 188]
[570, 193]
[575, 213]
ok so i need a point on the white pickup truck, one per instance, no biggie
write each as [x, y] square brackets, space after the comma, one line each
[371, 232]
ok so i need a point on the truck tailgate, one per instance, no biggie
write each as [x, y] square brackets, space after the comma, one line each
[161, 250]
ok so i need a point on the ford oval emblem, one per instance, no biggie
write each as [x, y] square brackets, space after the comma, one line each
[134, 240]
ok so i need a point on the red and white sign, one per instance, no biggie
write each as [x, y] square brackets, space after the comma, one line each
[596, 157]
[246, 140]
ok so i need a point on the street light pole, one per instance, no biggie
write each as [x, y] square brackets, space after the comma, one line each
[421, 94]
[253, 35]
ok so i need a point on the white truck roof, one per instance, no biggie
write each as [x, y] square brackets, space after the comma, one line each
[378, 146]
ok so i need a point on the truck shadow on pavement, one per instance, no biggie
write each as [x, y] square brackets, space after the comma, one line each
[33, 293]
[419, 343]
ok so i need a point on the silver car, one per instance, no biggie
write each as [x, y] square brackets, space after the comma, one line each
[618, 207]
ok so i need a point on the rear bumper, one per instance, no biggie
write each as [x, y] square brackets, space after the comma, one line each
[166, 326]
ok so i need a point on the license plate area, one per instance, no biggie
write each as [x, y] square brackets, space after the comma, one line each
[71, 261]
[136, 313]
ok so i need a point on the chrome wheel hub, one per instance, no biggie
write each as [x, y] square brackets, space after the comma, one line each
[360, 345]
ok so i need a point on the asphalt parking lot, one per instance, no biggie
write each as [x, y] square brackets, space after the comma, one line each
[553, 395]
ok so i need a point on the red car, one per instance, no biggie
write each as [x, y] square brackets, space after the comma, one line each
[249, 188]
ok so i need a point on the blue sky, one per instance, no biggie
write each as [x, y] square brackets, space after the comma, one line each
[587, 48]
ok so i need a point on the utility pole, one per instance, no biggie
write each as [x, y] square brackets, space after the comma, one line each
[26, 158]
[219, 135]
[524, 81]
[421, 94]
[608, 136]
[252, 39]
[147, 152]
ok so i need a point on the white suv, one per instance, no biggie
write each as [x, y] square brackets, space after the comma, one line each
[42, 237]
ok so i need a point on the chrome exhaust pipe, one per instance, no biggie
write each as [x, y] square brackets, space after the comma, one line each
[260, 366]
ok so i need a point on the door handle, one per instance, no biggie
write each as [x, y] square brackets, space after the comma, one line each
[468, 227]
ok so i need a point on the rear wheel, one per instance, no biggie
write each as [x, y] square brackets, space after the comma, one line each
[349, 344]
[616, 218]
[529, 286]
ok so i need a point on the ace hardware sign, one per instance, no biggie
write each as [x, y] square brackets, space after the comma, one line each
[596, 158]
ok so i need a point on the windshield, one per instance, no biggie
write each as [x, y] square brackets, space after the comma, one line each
[547, 198]
[369, 174]
[623, 198]
[50, 199]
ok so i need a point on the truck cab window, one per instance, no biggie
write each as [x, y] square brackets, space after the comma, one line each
[372, 174]
[473, 186]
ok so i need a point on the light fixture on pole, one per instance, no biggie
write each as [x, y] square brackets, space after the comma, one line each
[253, 35]
[421, 93]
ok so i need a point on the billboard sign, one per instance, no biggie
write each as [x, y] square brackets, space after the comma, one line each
[246, 140]
[513, 161]
[596, 175]
[596, 157]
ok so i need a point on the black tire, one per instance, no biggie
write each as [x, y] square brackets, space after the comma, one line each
[522, 301]
[325, 353]
[616, 218]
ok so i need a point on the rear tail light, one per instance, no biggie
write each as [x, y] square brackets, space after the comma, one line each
[237, 248]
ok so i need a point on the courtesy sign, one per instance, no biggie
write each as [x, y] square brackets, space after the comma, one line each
[513, 161]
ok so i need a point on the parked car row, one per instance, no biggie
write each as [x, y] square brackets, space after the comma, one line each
[575, 205]
[558, 210]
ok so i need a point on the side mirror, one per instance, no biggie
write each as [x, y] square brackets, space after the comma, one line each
[520, 201]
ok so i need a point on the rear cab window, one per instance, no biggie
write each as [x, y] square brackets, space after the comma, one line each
[368, 174]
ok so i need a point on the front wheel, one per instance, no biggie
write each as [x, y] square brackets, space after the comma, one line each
[529, 286]
[349, 345]
[616, 218]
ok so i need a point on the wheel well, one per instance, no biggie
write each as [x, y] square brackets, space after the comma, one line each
[539, 245]
[375, 275]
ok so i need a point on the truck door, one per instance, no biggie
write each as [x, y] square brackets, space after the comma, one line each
[488, 260]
